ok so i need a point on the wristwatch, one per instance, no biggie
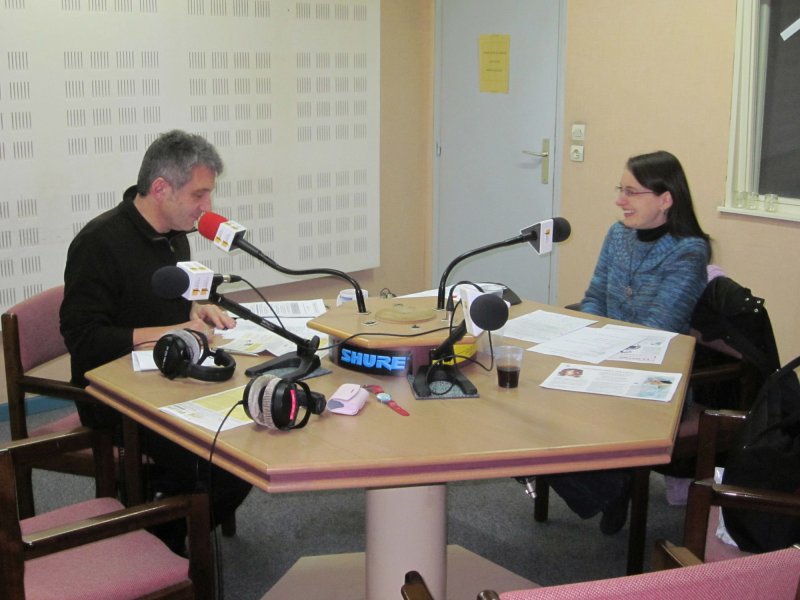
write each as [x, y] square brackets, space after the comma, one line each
[386, 399]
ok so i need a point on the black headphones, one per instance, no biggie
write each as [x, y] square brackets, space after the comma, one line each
[181, 352]
[279, 403]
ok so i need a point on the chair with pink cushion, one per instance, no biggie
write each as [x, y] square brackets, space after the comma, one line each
[96, 549]
[31, 339]
[773, 575]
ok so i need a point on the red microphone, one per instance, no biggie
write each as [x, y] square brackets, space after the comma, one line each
[225, 234]
[208, 224]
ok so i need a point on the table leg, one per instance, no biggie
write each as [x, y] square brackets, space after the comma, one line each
[406, 530]
[132, 462]
[640, 492]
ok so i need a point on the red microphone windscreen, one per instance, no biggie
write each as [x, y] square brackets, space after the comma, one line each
[209, 223]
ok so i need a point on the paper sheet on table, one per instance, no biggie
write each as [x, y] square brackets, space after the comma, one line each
[608, 381]
[209, 411]
[143, 361]
[249, 338]
[650, 350]
[541, 326]
[592, 344]
[434, 292]
[289, 308]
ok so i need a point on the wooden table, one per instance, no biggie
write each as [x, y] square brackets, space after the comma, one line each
[405, 462]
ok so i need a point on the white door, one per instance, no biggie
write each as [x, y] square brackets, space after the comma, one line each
[488, 188]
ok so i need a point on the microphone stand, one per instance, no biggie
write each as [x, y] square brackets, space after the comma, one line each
[303, 361]
[437, 371]
[440, 372]
[525, 237]
[255, 252]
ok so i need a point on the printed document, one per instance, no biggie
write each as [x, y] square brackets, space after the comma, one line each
[628, 383]
[209, 411]
[542, 326]
[249, 338]
[592, 344]
[649, 350]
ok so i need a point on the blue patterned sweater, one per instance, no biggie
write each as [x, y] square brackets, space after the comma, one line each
[653, 283]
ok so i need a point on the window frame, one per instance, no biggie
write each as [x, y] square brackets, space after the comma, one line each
[747, 110]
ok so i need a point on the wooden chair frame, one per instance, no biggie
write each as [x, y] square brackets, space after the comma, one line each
[19, 384]
[705, 493]
[15, 548]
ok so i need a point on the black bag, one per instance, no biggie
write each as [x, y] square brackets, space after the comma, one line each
[767, 457]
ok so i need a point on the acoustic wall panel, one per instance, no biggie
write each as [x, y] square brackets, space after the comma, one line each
[288, 92]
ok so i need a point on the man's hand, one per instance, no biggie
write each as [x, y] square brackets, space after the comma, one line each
[204, 318]
[211, 315]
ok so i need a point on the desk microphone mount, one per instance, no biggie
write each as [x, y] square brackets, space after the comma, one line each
[303, 361]
[488, 313]
[436, 372]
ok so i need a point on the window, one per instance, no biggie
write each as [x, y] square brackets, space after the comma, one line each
[765, 129]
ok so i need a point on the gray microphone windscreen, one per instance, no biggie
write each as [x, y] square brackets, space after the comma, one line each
[489, 312]
[170, 282]
[561, 229]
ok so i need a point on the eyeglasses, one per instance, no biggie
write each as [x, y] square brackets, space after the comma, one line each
[628, 191]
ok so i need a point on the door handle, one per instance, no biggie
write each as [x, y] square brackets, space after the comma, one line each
[545, 156]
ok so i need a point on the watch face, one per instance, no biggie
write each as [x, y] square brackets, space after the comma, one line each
[383, 397]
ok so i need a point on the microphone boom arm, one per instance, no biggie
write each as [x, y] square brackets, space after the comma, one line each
[443, 281]
[304, 361]
[253, 251]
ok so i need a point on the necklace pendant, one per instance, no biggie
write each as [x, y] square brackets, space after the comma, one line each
[629, 291]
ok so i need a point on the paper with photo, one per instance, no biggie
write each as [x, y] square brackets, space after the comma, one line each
[608, 381]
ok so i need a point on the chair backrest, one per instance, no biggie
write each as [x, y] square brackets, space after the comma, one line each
[32, 337]
[96, 548]
[773, 575]
[36, 325]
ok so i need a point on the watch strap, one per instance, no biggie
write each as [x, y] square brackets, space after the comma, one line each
[378, 390]
[396, 407]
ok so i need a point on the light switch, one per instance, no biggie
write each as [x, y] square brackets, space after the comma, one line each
[578, 132]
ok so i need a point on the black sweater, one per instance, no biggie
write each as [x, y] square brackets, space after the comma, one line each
[108, 290]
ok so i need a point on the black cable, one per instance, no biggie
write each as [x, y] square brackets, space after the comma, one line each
[263, 299]
[218, 566]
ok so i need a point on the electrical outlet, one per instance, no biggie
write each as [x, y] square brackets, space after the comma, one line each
[578, 132]
[576, 153]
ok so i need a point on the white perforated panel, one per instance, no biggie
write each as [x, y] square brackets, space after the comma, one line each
[287, 91]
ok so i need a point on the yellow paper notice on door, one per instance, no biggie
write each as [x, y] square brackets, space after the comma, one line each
[493, 63]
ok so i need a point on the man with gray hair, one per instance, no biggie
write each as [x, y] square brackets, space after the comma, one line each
[110, 309]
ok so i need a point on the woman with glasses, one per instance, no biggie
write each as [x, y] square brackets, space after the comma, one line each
[651, 271]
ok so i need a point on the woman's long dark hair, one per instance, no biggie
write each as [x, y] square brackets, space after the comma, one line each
[662, 172]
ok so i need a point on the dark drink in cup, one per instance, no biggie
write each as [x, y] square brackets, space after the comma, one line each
[509, 361]
[507, 376]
